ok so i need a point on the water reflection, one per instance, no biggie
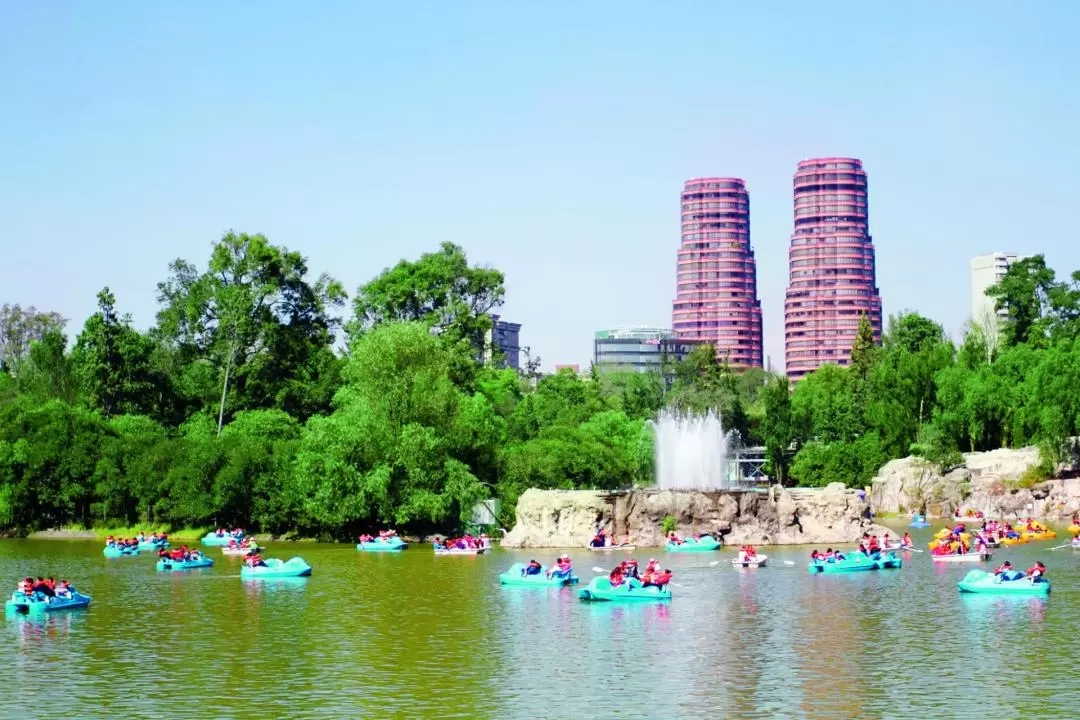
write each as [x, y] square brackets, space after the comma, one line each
[408, 635]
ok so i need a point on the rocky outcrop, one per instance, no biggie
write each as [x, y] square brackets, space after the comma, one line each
[568, 518]
[990, 482]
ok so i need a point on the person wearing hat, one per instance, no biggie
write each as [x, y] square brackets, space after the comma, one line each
[561, 568]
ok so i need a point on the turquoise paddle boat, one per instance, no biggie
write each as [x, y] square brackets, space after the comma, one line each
[153, 545]
[919, 521]
[212, 538]
[391, 544]
[36, 603]
[115, 551]
[701, 544]
[274, 568]
[856, 562]
[516, 576]
[192, 563]
[631, 590]
[1008, 583]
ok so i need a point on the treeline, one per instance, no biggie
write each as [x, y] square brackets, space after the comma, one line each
[1007, 384]
[238, 406]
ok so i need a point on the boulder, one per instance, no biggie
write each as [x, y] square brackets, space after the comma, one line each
[560, 518]
[989, 482]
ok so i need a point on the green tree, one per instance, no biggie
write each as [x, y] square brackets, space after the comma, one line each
[777, 427]
[112, 362]
[440, 290]
[254, 301]
[1024, 294]
[864, 350]
[19, 329]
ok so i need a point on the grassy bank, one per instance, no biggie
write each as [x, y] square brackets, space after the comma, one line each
[80, 531]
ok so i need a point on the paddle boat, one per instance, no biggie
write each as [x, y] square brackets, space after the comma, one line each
[192, 563]
[609, 548]
[154, 544]
[919, 521]
[600, 589]
[1014, 541]
[383, 544]
[1074, 529]
[212, 538]
[275, 568]
[239, 550]
[755, 561]
[856, 562]
[704, 543]
[961, 557]
[516, 576]
[1007, 583]
[22, 604]
[461, 551]
[115, 551]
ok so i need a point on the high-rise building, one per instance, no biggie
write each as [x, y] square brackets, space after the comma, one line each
[503, 337]
[987, 270]
[716, 277]
[832, 275]
[639, 349]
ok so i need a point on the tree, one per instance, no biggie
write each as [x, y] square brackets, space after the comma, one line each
[440, 290]
[47, 372]
[1024, 294]
[253, 299]
[864, 350]
[19, 329]
[112, 362]
[777, 426]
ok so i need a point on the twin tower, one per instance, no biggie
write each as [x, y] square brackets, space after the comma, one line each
[831, 275]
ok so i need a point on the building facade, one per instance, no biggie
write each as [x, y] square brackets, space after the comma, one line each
[987, 270]
[716, 275]
[503, 337]
[832, 272]
[638, 349]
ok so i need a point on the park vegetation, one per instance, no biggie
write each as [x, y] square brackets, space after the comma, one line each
[250, 402]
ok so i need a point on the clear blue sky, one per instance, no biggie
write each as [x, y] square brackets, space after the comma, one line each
[549, 139]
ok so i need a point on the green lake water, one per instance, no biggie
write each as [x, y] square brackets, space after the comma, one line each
[411, 635]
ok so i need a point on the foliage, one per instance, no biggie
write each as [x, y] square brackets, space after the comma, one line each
[668, 524]
[236, 408]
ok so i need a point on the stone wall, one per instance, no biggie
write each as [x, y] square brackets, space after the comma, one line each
[988, 482]
[564, 518]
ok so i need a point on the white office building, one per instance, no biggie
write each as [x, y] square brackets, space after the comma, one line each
[987, 270]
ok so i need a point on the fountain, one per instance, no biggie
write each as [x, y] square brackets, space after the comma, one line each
[691, 451]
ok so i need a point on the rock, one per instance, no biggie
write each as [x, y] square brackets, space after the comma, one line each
[560, 518]
[988, 482]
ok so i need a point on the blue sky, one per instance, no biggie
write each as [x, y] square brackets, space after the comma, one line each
[551, 140]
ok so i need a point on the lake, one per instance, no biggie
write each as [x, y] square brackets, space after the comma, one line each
[411, 635]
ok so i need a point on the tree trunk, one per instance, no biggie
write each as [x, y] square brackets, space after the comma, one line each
[224, 390]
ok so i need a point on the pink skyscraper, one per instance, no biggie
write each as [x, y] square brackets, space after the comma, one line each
[832, 274]
[716, 287]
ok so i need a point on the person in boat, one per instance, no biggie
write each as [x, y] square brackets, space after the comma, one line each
[906, 541]
[630, 569]
[255, 561]
[616, 576]
[533, 568]
[26, 586]
[660, 580]
[673, 538]
[561, 567]
[1036, 572]
[41, 586]
[63, 590]
[1003, 568]
[597, 540]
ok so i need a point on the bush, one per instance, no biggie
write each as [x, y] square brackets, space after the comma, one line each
[667, 525]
